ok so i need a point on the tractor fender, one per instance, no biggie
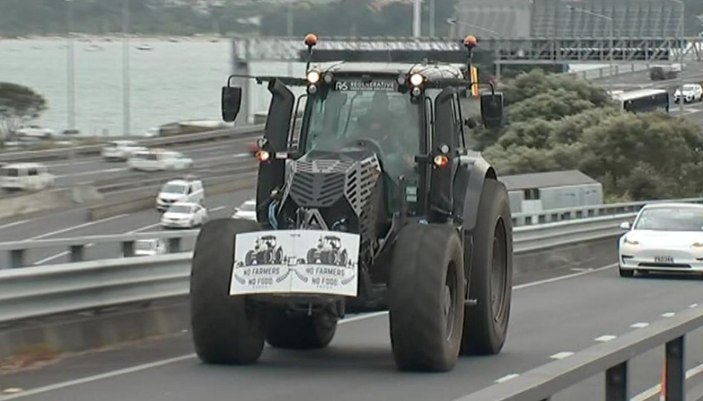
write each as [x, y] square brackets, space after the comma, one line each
[473, 171]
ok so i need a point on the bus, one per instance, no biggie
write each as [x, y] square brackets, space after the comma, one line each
[643, 100]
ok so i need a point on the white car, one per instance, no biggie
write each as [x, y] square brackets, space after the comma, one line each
[691, 93]
[185, 190]
[159, 160]
[665, 237]
[246, 210]
[120, 150]
[184, 215]
[149, 247]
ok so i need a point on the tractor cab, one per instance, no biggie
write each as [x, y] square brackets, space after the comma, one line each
[406, 116]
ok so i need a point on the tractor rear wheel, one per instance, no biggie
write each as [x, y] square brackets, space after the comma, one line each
[486, 324]
[426, 297]
[226, 329]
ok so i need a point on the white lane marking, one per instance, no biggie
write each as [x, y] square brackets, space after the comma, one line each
[562, 355]
[138, 368]
[14, 223]
[143, 228]
[560, 278]
[92, 172]
[507, 377]
[655, 390]
[93, 378]
[605, 338]
[639, 325]
[668, 314]
[693, 306]
[56, 256]
[90, 223]
[95, 161]
[215, 209]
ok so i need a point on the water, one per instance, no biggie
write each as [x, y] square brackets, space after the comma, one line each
[175, 81]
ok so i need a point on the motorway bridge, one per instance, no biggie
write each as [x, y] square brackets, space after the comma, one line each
[557, 315]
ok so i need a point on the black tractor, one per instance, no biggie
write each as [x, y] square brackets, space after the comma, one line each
[266, 252]
[380, 153]
[328, 251]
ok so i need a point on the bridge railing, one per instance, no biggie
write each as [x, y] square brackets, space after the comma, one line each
[531, 229]
[45, 290]
[612, 358]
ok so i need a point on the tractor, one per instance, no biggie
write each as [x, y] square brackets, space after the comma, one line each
[380, 160]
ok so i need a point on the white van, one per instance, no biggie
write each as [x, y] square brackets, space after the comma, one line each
[186, 190]
[25, 176]
[159, 160]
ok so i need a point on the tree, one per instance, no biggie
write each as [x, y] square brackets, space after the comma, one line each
[18, 104]
[558, 123]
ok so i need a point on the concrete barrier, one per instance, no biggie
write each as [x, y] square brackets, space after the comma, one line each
[35, 202]
[146, 199]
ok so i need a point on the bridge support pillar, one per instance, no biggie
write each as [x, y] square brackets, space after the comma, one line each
[616, 383]
[675, 373]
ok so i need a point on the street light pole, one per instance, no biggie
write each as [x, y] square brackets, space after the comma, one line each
[432, 18]
[125, 69]
[681, 34]
[612, 36]
[289, 24]
[417, 18]
[70, 70]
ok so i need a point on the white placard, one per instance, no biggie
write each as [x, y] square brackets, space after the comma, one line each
[295, 261]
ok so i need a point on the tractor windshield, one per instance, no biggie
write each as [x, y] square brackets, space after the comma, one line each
[340, 117]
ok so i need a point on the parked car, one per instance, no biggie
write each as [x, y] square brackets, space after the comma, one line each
[665, 237]
[189, 189]
[120, 150]
[159, 160]
[246, 211]
[184, 215]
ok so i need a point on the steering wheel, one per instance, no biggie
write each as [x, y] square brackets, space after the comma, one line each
[369, 144]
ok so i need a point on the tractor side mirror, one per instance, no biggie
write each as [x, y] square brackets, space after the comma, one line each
[231, 102]
[625, 225]
[492, 110]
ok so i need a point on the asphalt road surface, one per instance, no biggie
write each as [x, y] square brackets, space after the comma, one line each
[73, 223]
[86, 170]
[550, 319]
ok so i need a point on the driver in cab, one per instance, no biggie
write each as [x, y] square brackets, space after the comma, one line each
[391, 131]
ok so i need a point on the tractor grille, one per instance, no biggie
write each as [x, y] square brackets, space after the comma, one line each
[316, 189]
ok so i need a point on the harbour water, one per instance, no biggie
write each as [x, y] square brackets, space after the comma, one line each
[170, 80]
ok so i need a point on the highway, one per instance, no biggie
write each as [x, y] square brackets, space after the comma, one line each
[87, 170]
[74, 223]
[550, 319]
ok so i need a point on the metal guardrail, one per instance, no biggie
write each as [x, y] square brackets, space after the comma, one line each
[34, 155]
[39, 291]
[526, 238]
[593, 221]
[612, 358]
[581, 212]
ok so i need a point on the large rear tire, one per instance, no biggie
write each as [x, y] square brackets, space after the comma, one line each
[486, 324]
[226, 330]
[300, 331]
[426, 298]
